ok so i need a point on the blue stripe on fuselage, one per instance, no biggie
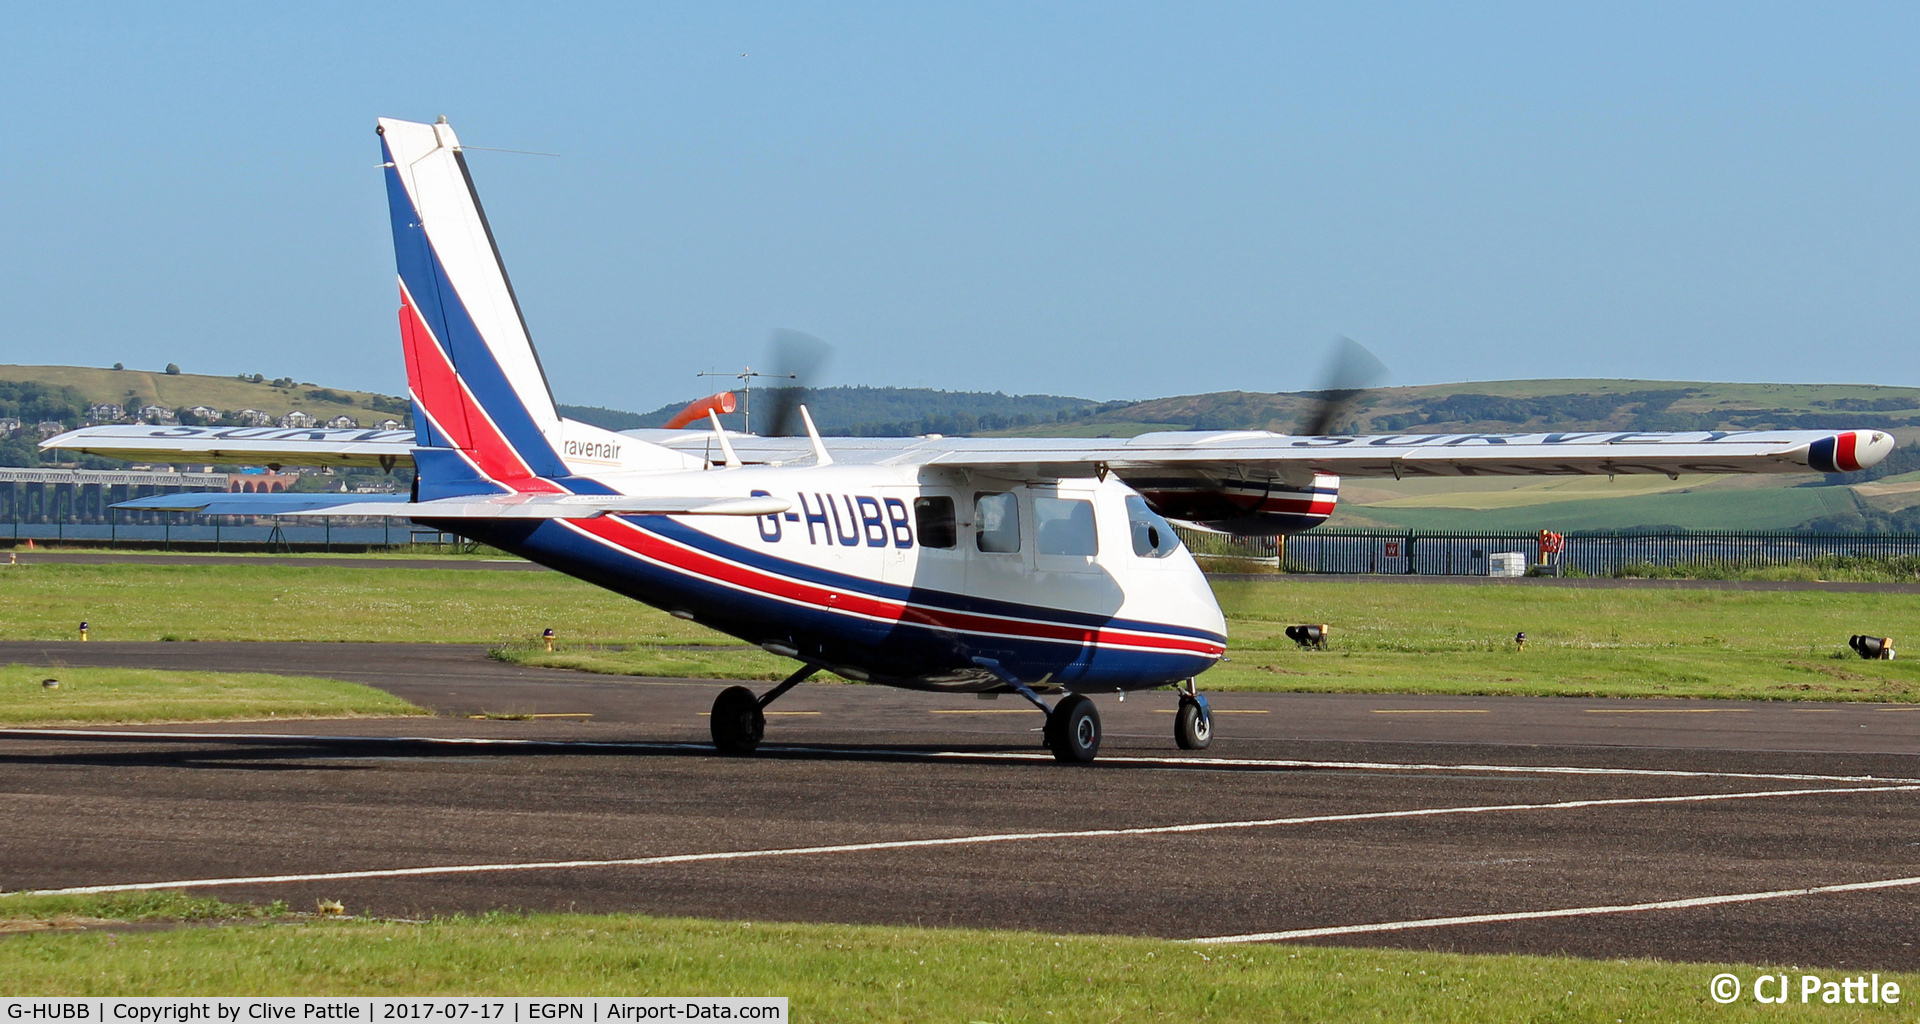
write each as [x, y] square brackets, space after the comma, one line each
[898, 650]
[709, 544]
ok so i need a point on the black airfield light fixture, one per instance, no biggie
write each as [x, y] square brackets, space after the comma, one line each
[1872, 648]
[1312, 637]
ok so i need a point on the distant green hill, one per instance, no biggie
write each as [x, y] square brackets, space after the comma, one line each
[64, 392]
[904, 412]
[64, 395]
[1527, 405]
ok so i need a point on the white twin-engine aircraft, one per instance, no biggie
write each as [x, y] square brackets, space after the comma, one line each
[1023, 565]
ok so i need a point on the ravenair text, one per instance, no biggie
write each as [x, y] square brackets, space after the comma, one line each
[604, 450]
[839, 520]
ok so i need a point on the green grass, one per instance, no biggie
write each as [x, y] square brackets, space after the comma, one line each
[129, 907]
[1388, 637]
[1775, 508]
[1828, 568]
[1436, 638]
[293, 602]
[868, 973]
[667, 660]
[98, 695]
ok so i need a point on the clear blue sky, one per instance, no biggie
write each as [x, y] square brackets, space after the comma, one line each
[1100, 200]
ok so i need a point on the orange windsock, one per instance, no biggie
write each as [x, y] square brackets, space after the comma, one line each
[722, 403]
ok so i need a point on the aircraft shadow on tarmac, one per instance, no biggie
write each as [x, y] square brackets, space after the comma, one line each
[305, 753]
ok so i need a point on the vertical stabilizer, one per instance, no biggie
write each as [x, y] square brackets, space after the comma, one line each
[477, 384]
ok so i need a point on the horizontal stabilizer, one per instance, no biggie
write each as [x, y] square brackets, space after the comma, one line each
[505, 506]
[249, 446]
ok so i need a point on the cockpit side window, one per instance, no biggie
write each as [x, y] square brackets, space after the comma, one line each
[1064, 526]
[933, 521]
[996, 518]
[1153, 537]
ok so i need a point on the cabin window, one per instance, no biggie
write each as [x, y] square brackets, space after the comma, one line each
[1153, 537]
[933, 519]
[1064, 526]
[996, 520]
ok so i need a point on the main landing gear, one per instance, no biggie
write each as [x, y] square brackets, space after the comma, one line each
[1073, 730]
[739, 718]
[1193, 723]
[1073, 723]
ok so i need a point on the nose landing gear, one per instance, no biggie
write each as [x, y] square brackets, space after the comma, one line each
[1193, 724]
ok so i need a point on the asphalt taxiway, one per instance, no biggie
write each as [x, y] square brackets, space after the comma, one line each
[1691, 830]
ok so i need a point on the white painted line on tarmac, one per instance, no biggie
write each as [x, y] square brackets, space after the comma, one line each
[973, 840]
[1539, 915]
[1669, 711]
[947, 755]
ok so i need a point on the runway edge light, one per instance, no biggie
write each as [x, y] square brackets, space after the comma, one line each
[1872, 648]
[1311, 637]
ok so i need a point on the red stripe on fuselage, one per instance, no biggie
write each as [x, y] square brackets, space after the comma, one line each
[628, 537]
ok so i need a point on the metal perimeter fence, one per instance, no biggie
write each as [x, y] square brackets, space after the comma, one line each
[1409, 552]
[184, 531]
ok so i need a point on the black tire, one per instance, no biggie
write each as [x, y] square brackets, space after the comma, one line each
[1073, 730]
[1193, 725]
[737, 723]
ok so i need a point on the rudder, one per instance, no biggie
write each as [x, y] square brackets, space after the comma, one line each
[476, 381]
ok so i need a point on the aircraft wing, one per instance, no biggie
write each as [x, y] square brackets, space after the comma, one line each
[1243, 454]
[505, 506]
[251, 446]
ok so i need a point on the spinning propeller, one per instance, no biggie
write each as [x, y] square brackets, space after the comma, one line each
[1351, 370]
[798, 357]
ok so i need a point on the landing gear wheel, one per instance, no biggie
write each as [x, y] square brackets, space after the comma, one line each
[1193, 725]
[737, 721]
[1073, 730]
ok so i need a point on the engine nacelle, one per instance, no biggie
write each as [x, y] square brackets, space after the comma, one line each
[1249, 508]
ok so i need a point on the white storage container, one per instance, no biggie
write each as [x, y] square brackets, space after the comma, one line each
[1507, 563]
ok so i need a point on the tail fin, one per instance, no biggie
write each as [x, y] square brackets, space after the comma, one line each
[477, 383]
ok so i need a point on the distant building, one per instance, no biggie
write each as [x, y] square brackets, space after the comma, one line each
[9, 425]
[296, 418]
[389, 425]
[205, 414]
[343, 422]
[105, 412]
[261, 483]
[252, 418]
[48, 428]
[157, 414]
